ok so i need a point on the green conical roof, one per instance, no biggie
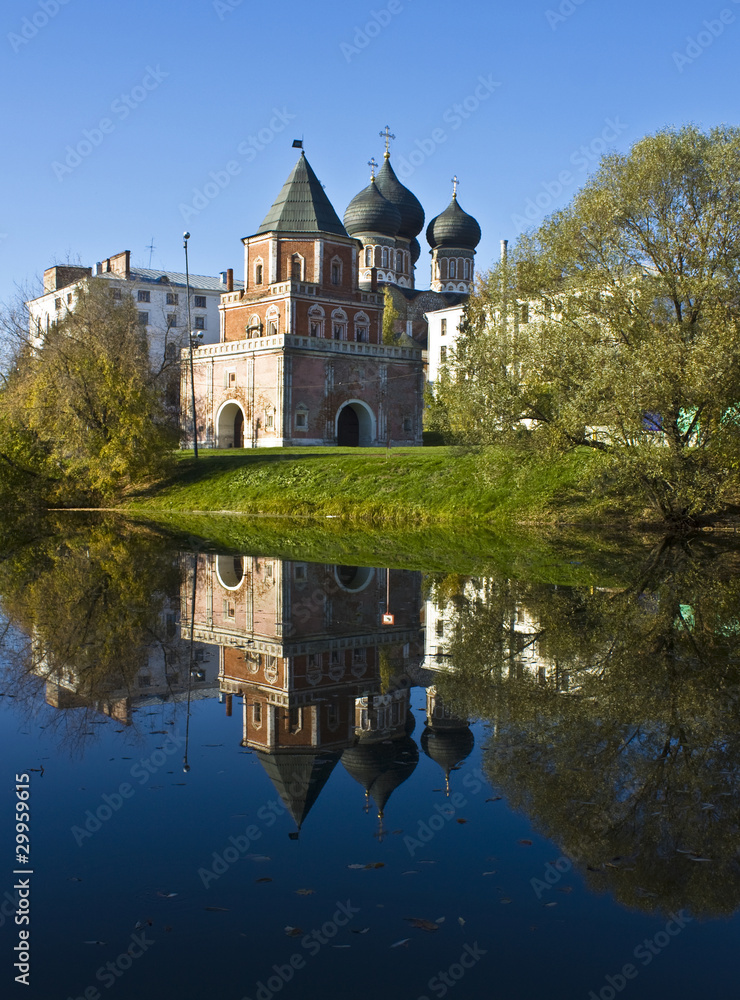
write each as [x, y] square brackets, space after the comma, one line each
[302, 206]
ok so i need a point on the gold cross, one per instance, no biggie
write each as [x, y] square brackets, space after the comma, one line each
[373, 167]
[386, 134]
[455, 182]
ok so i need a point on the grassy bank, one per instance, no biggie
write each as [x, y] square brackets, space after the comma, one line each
[404, 485]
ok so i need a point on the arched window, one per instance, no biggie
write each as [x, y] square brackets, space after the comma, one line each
[368, 256]
[453, 268]
[339, 324]
[385, 256]
[362, 328]
[254, 327]
[336, 271]
[258, 272]
[467, 268]
[273, 321]
[296, 267]
[399, 260]
[316, 321]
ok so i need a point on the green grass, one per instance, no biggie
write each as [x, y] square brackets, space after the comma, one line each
[403, 485]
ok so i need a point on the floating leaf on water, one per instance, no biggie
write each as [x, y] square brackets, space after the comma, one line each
[504, 899]
[565, 888]
[355, 866]
[423, 925]
[305, 892]
[403, 942]
[376, 864]
[259, 857]
[461, 921]
[293, 931]
[497, 798]
[462, 820]
[440, 920]
[490, 873]
[551, 904]
[216, 909]
[525, 843]
[167, 895]
[410, 873]
[363, 931]
[263, 879]
[101, 943]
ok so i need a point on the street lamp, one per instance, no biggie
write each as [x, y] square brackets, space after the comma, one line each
[185, 238]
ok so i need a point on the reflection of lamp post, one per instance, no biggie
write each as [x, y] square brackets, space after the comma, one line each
[185, 238]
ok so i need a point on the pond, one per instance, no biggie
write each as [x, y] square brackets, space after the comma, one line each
[240, 775]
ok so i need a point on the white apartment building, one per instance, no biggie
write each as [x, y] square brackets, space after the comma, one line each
[160, 298]
[443, 331]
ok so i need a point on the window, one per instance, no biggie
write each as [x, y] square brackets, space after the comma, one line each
[232, 379]
[399, 260]
[171, 319]
[301, 419]
[69, 299]
[467, 268]
[143, 296]
[229, 609]
[57, 303]
[453, 269]
[270, 421]
[257, 714]
[200, 322]
[442, 354]
[295, 719]
[258, 273]
[315, 328]
[339, 331]
[368, 256]
[199, 301]
[299, 571]
[143, 319]
[443, 327]
[362, 334]
[117, 293]
[296, 267]
[407, 425]
[170, 351]
[385, 257]
[172, 298]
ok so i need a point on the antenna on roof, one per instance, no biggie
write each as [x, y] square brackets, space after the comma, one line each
[151, 248]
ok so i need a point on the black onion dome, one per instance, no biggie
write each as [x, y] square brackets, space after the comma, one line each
[412, 214]
[448, 748]
[454, 228]
[415, 250]
[370, 212]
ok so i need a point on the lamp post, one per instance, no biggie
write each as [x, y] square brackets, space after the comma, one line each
[185, 238]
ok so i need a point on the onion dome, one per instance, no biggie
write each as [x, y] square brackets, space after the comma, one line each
[381, 767]
[454, 228]
[370, 212]
[415, 250]
[412, 214]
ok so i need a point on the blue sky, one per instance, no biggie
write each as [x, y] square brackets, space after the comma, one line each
[117, 116]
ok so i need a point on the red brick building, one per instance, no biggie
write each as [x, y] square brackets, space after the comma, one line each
[301, 358]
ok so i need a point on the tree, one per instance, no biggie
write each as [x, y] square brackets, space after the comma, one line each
[81, 416]
[390, 317]
[614, 326]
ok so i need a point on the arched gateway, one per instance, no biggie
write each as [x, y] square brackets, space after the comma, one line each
[355, 425]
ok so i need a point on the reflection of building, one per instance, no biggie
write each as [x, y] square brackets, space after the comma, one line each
[447, 739]
[161, 671]
[304, 646]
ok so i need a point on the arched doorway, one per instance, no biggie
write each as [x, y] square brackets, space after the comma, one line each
[348, 428]
[230, 426]
[355, 425]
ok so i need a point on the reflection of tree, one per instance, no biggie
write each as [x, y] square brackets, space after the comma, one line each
[623, 740]
[84, 614]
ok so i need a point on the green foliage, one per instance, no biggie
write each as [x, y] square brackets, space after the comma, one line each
[625, 749]
[390, 318]
[615, 327]
[81, 417]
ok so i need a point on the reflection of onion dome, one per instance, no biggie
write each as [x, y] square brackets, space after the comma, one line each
[370, 212]
[381, 767]
[415, 250]
[447, 748]
[454, 228]
[412, 214]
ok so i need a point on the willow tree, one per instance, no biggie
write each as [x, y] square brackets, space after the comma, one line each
[614, 326]
[81, 415]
